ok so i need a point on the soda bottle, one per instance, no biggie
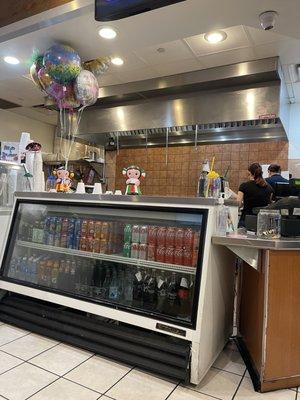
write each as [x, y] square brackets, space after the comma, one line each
[12, 268]
[162, 286]
[135, 234]
[144, 234]
[97, 234]
[127, 233]
[127, 250]
[161, 235]
[106, 283]
[114, 287]
[179, 234]
[65, 225]
[172, 298]
[170, 236]
[184, 308]
[138, 288]
[58, 225]
[135, 250]
[66, 282]
[121, 278]
[72, 279]
[152, 235]
[54, 275]
[84, 227]
[128, 287]
[48, 273]
[149, 292]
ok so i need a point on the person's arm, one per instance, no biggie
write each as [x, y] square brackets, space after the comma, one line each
[240, 198]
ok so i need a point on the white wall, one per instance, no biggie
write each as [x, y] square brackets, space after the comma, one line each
[11, 126]
[294, 140]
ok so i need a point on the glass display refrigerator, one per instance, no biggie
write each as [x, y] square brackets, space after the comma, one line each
[132, 278]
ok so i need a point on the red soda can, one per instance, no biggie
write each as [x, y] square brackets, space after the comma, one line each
[91, 227]
[105, 231]
[83, 243]
[151, 252]
[65, 225]
[169, 258]
[143, 249]
[135, 250]
[90, 243]
[63, 240]
[135, 234]
[97, 234]
[161, 235]
[178, 256]
[170, 236]
[179, 237]
[144, 234]
[187, 257]
[160, 254]
[84, 227]
[152, 235]
[188, 238]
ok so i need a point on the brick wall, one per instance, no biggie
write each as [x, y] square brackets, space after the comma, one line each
[179, 177]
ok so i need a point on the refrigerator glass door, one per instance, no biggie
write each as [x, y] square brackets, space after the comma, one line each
[143, 259]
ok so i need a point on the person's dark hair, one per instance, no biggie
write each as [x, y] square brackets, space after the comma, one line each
[275, 168]
[256, 170]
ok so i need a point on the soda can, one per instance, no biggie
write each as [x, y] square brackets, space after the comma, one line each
[89, 243]
[151, 252]
[97, 234]
[84, 227]
[135, 235]
[47, 223]
[71, 226]
[152, 235]
[83, 243]
[77, 227]
[58, 226]
[70, 241]
[195, 258]
[161, 235]
[91, 227]
[144, 234]
[65, 225]
[127, 233]
[50, 239]
[77, 242]
[179, 233]
[57, 240]
[187, 257]
[127, 250]
[96, 245]
[160, 254]
[143, 249]
[52, 225]
[63, 240]
[103, 246]
[188, 238]
[170, 236]
[178, 256]
[105, 231]
[135, 250]
[169, 258]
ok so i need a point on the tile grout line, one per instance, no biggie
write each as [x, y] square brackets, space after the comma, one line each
[173, 390]
[239, 385]
[225, 370]
[11, 341]
[119, 380]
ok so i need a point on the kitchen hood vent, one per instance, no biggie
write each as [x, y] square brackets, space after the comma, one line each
[241, 102]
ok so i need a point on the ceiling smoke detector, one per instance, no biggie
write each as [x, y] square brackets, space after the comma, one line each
[268, 19]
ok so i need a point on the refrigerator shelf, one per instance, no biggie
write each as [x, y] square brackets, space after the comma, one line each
[110, 257]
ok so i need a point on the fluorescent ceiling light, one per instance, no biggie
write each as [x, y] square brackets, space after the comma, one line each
[11, 60]
[215, 37]
[117, 61]
[107, 33]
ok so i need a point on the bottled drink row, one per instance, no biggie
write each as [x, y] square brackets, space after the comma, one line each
[150, 289]
[166, 244]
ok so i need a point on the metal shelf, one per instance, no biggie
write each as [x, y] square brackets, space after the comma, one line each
[110, 257]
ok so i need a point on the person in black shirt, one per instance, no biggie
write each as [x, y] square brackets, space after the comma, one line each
[254, 193]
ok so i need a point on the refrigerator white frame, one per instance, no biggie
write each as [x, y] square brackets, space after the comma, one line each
[215, 304]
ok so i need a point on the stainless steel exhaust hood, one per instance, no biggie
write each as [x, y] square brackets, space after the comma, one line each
[240, 102]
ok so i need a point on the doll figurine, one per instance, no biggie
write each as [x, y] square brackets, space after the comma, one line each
[63, 179]
[133, 175]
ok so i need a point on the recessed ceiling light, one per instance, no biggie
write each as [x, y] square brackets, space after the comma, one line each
[11, 60]
[107, 33]
[117, 61]
[215, 37]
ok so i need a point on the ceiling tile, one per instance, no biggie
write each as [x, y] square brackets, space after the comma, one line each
[174, 51]
[21, 91]
[131, 61]
[227, 57]
[259, 36]
[137, 74]
[236, 38]
[108, 79]
[266, 50]
[178, 67]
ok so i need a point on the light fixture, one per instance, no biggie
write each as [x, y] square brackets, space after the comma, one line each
[107, 33]
[117, 61]
[11, 60]
[215, 36]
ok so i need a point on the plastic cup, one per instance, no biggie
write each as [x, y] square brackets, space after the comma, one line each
[118, 192]
[80, 187]
[97, 188]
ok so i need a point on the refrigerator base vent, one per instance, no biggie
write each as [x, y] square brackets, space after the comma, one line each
[148, 350]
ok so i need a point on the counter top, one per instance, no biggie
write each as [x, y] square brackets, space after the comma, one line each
[271, 244]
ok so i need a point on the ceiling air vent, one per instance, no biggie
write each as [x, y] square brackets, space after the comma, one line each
[6, 105]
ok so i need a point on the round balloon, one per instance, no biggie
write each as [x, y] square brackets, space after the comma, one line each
[98, 66]
[33, 71]
[69, 101]
[52, 88]
[86, 88]
[62, 62]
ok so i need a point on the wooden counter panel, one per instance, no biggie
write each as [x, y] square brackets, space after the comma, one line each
[283, 326]
[251, 312]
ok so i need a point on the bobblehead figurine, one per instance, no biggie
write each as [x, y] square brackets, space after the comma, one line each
[63, 179]
[133, 175]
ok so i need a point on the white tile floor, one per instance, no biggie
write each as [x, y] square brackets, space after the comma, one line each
[38, 368]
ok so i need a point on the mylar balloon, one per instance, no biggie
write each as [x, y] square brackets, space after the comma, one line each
[69, 100]
[62, 62]
[49, 102]
[34, 69]
[98, 66]
[52, 88]
[86, 88]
